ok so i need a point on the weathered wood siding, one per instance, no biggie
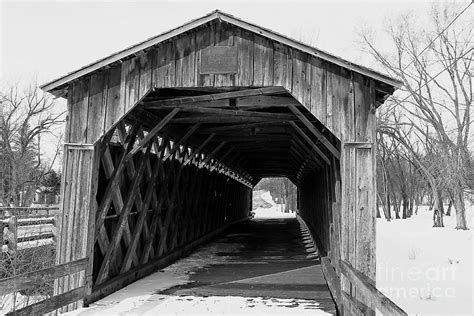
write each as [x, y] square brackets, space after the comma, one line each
[78, 190]
[100, 100]
[338, 201]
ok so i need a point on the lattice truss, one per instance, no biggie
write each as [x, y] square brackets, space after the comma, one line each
[156, 194]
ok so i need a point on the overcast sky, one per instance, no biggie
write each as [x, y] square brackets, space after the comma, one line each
[47, 39]
[44, 40]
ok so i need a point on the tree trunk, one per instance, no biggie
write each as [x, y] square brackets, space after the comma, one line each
[460, 210]
[384, 208]
[389, 205]
[450, 204]
[430, 201]
[405, 205]
[396, 206]
[438, 210]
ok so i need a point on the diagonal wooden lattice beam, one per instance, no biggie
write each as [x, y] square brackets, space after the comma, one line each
[156, 220]
[113, 180]
[315, 131]
[141, 219]
[169, 213]
[117, 200]
[198, 150]
[310, 142]
[181, 141]
[153, 133]
[122, 221]
[212, 154]
[130, 167]
[306, 152]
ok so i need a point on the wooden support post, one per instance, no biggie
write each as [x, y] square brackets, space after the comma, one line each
[358, 191]
[55, 229]
[12, 234]
[77, 210]
[2, 216]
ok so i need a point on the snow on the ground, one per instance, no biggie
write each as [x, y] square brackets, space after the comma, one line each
[211, 305]
[275, 211]
[7, 301]
[426, 270]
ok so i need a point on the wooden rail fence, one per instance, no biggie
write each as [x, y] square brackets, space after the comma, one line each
[13, 218]
[28, 280]
[27, 212]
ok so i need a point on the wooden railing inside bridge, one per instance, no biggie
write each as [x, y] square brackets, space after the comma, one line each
[367, 297]
[364, 298]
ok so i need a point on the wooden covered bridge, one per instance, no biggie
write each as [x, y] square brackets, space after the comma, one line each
[165, 140]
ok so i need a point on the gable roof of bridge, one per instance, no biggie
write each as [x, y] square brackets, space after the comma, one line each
[222, 16]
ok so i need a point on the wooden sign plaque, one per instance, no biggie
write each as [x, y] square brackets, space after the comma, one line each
[219, 60]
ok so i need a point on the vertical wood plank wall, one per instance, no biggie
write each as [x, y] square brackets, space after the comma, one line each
[338, 201]
[99, 100]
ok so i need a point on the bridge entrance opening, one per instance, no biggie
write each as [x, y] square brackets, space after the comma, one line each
[182, 164]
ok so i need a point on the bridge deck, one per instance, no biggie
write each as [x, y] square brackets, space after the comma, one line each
[265, 261]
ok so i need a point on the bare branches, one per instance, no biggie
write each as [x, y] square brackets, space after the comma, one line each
[434, 63]
[27, 116]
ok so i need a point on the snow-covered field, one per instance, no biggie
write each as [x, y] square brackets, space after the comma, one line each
[426, 270]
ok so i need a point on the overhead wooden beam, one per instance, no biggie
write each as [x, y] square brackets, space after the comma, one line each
[224, 119]
[225, 112]
[245, 103]
[257, 139]
[310, 142]
[152, 133]
[220, 96]
[241, 127]
[315, 131]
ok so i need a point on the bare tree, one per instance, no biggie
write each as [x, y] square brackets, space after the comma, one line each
[26, 117]
[434, 63]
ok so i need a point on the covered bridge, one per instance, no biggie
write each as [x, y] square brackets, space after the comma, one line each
[165, 140]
